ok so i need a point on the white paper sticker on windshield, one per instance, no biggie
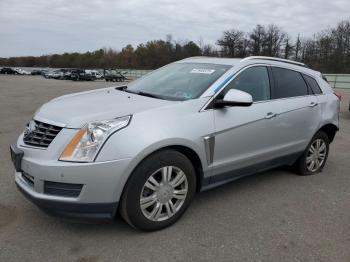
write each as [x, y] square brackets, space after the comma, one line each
[202, 71]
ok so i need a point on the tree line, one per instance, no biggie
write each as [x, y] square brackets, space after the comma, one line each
[326, 51]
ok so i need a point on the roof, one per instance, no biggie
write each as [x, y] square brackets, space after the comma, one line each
[252, 59]
[275, 59]
[211, 60]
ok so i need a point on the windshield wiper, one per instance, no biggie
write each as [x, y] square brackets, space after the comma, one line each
[121, 88]
[141, 93]
[148, 94]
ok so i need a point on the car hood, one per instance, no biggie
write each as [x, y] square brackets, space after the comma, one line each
[75, 110]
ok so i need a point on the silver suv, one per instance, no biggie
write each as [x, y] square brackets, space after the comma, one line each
[146, 148]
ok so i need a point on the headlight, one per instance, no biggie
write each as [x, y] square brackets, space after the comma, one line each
[88, 141]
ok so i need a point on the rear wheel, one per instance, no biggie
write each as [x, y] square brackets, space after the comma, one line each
[315, 156]
[159, 191]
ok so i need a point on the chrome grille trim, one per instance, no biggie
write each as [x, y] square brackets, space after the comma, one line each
[42, 135]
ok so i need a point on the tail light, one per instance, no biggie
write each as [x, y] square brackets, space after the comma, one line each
[338, 95]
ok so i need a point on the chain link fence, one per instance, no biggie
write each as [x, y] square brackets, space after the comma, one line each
[133, 73]
[335, 80]
[338, 80]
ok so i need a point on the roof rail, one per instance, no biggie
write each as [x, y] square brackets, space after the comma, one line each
[274, 59]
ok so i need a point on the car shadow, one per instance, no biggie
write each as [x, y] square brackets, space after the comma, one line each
[249, 182]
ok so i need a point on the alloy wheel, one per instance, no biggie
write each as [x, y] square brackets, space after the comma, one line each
[316, 155]
[164, 193]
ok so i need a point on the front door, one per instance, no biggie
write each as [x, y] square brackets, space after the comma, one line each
[243, 135]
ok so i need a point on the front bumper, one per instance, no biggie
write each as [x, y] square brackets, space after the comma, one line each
[74, 211]
[97, 197]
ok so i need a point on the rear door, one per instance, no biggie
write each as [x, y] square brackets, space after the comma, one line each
[297, 112]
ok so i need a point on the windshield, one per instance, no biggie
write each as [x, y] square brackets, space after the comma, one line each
[178, 81]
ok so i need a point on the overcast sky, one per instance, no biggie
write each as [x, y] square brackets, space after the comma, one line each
[36, 27]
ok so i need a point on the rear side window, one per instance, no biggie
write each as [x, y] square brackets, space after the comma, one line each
[312, 83]
[288, 83]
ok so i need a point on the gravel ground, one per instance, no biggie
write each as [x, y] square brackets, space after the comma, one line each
[273, 216]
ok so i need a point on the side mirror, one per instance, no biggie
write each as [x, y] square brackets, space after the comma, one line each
[234, 97]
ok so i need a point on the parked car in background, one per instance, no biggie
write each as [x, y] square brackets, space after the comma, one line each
[48, 73]
[20, 71]
[146, 148]
[44, 72]
[58, 74]
[36, 72]
[113, 76]
[14, 71]
[67, 74]
[81, 75]
[8, 71]
[98, 75]
[94, 73]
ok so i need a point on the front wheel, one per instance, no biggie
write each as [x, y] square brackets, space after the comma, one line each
[159, 191]
[315, 155]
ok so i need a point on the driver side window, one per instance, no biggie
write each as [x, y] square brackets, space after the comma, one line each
[254, 81]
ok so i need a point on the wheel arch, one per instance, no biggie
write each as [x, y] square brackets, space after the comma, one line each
[195, 160]
[186, 150]
[330, 130]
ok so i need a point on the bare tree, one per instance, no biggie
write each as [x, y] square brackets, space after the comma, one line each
[288, 47]
[231, 43]
[297, 48]
[274, 37]
[257, 37]
[209, 50]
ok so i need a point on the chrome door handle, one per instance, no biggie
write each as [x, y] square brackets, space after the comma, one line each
[270, 115]
[312, 104]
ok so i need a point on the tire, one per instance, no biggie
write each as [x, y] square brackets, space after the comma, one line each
[303, 166]
[157, 212]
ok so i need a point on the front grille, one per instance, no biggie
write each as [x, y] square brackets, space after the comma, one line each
[40, 134]
[62, 189]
